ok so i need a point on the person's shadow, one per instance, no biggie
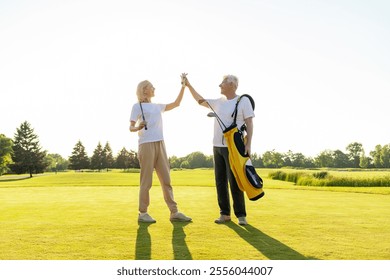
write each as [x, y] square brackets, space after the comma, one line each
[143, 244]
[265, 244]
[179, 245]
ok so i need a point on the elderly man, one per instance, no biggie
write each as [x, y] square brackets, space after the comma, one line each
[224, 107]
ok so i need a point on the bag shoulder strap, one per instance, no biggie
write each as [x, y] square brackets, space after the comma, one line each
[234, 115]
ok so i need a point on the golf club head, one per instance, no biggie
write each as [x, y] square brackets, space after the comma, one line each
[211, 115]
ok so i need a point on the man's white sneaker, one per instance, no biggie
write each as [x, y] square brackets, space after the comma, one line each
[179, 217]
[145, 218]
[242, 221]
[223, 219]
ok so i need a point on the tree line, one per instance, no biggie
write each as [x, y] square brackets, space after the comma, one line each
[23, 154]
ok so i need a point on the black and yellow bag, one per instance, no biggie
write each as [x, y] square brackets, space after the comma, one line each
[240, 163]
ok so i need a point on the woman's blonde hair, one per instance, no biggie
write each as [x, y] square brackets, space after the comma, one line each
[141, 90]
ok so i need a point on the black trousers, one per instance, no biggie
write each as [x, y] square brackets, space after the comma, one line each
[223, 175]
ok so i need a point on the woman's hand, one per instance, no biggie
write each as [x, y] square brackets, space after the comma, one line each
[142, 125]
[184, 80]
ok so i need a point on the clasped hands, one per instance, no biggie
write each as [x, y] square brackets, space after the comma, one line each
[186, 83]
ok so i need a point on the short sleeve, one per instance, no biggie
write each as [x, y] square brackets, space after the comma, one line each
[247, 110]
[162, 107]
[135, 113]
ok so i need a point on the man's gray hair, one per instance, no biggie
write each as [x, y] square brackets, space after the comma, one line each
[231, 79]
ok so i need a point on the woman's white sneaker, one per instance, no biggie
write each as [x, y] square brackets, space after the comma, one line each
[180, 217]
[145, 218]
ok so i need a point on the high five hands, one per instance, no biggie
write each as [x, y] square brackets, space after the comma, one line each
[184, 80]
[186, 83]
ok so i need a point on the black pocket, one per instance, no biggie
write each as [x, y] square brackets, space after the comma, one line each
[253, 178]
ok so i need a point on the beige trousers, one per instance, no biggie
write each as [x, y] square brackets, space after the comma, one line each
[153, 156]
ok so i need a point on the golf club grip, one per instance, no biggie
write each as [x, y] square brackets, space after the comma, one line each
[143, 117]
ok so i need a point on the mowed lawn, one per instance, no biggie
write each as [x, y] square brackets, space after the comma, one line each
[93, 216]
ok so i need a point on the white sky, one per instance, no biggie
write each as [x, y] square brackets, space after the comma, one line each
[319, 70]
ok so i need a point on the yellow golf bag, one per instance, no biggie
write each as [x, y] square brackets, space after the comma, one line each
[241, 165]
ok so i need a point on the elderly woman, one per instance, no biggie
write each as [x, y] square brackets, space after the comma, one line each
[146, 119]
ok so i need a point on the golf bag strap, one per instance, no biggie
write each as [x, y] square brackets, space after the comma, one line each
[234, 114]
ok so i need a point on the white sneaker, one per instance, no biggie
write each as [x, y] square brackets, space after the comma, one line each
[242, 221]
[180, 217]
[223, 219]
[145, 218]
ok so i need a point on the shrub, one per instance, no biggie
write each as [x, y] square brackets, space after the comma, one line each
[323, 178]
[320, 175]
[278, 175]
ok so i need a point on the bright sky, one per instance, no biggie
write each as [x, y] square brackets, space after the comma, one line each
[319, 71]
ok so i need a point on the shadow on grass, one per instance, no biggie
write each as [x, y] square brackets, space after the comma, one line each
[265, 244]
[143, 244]
[180, 248]
[14, 178]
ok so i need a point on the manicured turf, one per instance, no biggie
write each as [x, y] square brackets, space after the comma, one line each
[94, 216]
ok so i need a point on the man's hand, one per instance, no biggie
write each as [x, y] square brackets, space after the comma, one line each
[184, 80]
[248, 149]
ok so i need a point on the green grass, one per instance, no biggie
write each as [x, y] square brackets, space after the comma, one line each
[113, 178]
[93, 216]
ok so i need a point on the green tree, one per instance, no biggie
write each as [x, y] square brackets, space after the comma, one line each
[122, 159]
[126, 159]
[79, 158]
[364, 161]
[108, 158]
[56, 163]
[376, 156]
[196, 160]
[294, 159]
[287, 158]
[5, 153]
[354, 151]
[134, 162]
[309, 162]
[257, 161]
[385, 156]
[340, 160]
[175, 162]
[209, 161]
[97, 159]
[324, 159]
[28, 156]
[273, 159]
[185, 165]
[298, 160]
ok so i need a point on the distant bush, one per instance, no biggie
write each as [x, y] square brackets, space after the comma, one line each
[278, 175]
[320, 175]
[286, 176]
[131, 170]
[323, 178]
